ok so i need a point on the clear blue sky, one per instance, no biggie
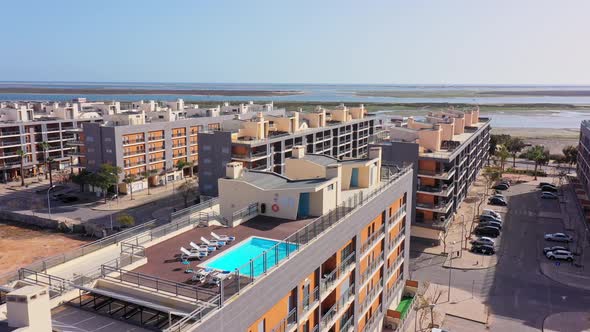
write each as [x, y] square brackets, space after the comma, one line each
[408, 42]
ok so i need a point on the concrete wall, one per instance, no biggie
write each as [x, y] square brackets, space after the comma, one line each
[303, 169]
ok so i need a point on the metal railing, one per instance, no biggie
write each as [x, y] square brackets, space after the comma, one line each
[193, 209]
[286, 322]
[372, 238]
[56, 285]
[439, 207]
[369, 326]
[155, 138]
[370, 298]
[133, 141]
[309, 299]
[393, 219]
[329, 280]
[348, 325]
[328, 317]
[156, 284]
[194, 317]
[371, 268]
[398, 238]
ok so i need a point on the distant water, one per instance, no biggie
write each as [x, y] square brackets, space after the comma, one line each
[311, 93]
[555, 119]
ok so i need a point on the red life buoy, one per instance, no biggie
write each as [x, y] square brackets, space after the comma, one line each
[275, 208]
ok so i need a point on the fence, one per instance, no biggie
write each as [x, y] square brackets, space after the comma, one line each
[187, 212]
[55, 284]
[195, 316]
[157, 284]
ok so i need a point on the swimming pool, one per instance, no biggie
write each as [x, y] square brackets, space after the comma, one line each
[250, 248]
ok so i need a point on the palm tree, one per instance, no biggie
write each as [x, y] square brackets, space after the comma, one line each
[539, 155]
[502, 154]
[49, 163]
[128, 180]
[22, 154]
[45, 147]
[570, 153]
[514, 146]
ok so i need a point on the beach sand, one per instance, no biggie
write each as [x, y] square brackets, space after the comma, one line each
[553, 139]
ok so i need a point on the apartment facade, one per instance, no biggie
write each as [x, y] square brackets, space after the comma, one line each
[266, 142]
[583, 164]
[140, 147]
[62, 136]
[447, 149]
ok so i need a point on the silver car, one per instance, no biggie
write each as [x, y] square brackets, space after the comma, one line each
[558, 237]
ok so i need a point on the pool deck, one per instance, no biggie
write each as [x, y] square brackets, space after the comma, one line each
[163, 259]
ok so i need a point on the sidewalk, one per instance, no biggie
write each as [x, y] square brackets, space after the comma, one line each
[141, 198]
[567, 322]
[462, 304]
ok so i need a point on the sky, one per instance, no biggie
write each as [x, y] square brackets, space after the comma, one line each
[372, 42]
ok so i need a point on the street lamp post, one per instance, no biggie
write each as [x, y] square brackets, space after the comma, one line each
[49, 201]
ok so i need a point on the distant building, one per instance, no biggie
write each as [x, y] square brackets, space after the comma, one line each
[264, 142]
[447, 149]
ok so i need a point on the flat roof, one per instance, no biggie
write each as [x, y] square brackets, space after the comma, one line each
[163, 259]
[270, 180]
[461, 138]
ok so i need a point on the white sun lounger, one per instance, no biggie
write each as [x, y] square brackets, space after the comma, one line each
[223, 237]
[201, 247]
[212, 242]
[186, 254]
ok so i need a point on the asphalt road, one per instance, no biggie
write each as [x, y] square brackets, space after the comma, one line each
[518, 295]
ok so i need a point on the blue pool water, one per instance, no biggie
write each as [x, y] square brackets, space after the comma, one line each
[239, 256]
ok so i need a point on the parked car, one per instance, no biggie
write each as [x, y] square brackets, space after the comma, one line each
[560, 254]
[545, 184]
[491, 223]
[489, 217]
[497, 201]
[548, 195]
[483, 249]
[484, 240]
[489, 231]
[558, 237]
[501, 186]
[549, 189]
[548, 249]
[500, 196]
[488, 212]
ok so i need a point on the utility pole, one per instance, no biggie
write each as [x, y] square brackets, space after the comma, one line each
[462, 233]
[450, 268]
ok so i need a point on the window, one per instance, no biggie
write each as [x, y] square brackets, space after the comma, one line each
[261, 325]
[109, 150]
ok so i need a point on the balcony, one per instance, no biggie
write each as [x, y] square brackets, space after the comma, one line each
[75, 143]
[157, 148]
[9, 143]
[138, 163]
[133, 153]
[370, 298]
[393, 219]
[10, 133]
[133, 141]
[440, 207]
[178, 145]
[443, 174]
[178, 135]
[309, 300]
[155, 138]
[348, 324]
[286, 323]
[396, 264]
[155, 160]
[250, 156]
[329, 281]
[374, 320]
[443, 190]
[393, 243]
[372, 239]
[372, 268]
[439, 223]
[340, 305]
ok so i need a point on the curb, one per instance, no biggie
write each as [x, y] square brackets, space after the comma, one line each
[470, 319]
[561, 282]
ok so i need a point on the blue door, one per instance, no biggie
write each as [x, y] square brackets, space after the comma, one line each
[354, 179]
[303, 210]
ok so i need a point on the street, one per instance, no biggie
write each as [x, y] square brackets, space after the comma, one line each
[518, 295]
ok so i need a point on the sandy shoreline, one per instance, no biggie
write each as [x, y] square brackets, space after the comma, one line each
[554, 139]
[59, 91]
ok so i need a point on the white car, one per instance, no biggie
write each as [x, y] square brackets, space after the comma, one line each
[558, 237]
[548, 195]
[500, 196]
[560, 254]
[488, 212]
[484, 240]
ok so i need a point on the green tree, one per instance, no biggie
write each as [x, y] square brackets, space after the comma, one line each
[514, 146]
[107, 176]
[571, 155]
[22, 154]
[187, 189]
[126, 220]
[502, 154]
[82, 178]
[181, 165]
[128, 180]
[539, 155]
[491, 175]
[49, 163]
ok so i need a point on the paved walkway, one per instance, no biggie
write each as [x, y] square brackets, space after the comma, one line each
[567, 322]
